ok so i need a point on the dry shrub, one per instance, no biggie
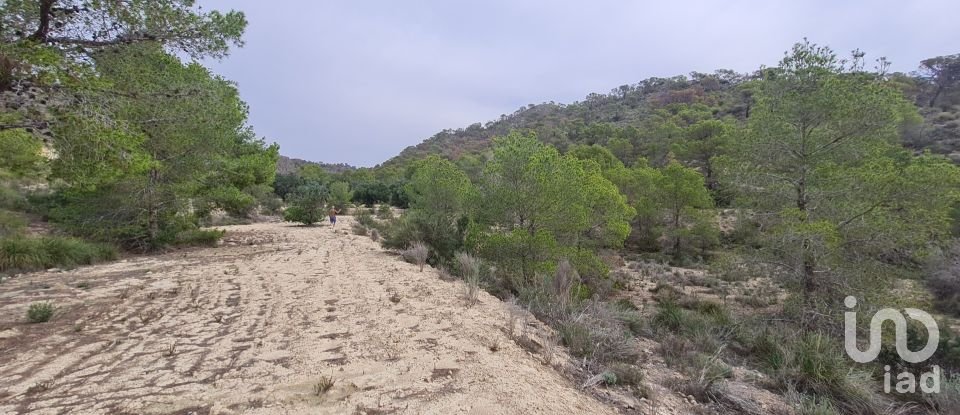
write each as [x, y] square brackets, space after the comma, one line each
[323, 385]
[469, 267]
[944, 279]
[359, 229]
[598, 334]
[417, 253]
[948, 400]
[563, 281]
[515, 314]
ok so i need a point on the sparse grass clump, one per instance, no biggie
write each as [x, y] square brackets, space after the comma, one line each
[323, 385]
[417, 253]
[384, 212]
[40, 312]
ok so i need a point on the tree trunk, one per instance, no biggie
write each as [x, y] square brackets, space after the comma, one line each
[46, 10]
[808, 279]
[153, 214]
[936, 95]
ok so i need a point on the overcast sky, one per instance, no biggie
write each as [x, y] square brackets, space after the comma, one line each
[357, 81]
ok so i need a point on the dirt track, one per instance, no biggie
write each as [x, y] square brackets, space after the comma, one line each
[251, 327]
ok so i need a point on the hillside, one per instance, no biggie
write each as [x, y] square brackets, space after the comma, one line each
[647, 113]
[287, 165]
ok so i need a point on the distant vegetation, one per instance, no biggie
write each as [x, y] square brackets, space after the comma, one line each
[287, 165]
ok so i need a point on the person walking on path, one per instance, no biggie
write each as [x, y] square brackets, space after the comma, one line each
[333, 216]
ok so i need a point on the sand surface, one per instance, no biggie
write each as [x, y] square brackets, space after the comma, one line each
[253, 326]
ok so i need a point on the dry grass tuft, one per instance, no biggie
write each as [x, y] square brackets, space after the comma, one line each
[417, 253]
[323, 385]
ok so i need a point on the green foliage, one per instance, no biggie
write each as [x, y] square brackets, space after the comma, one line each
[286, 184]
[681, 193]
[339, 195]
[307, 204]
[441, 197]
[11, 223]
[371, 193]
[40, 312]
[543, 204]
[819, 165]
[21, 155]
[199, 237]
[37, 253]
[144, 143]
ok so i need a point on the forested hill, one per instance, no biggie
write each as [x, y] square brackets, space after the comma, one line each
[287, 165]
[648, 117]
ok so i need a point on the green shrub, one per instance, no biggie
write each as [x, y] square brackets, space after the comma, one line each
[11, 223]
[40, 312]
[814, 364]
[307, 204]
[400, 233]
[627, 374]
[365, 218]
[23, 254]
[200, 237]
[37, 253]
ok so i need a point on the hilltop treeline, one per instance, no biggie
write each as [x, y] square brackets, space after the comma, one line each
[113, 132]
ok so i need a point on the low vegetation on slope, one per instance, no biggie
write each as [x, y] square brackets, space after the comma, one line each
[810, 198]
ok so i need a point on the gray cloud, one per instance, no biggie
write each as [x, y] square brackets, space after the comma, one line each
[357, 81]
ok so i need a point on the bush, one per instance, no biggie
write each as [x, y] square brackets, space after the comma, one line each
[364, 218]
[400, 233]
[597, 334]
[384, 212]
[40, 312]
[944, 279]
[307, 204]
[813, 364]
[10, 223]
[359, 229]
[627, 374]
[417, 253]
[200, 237]
[23, 254]
[32, 254]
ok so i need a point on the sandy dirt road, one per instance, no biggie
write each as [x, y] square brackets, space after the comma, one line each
[251, 327]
